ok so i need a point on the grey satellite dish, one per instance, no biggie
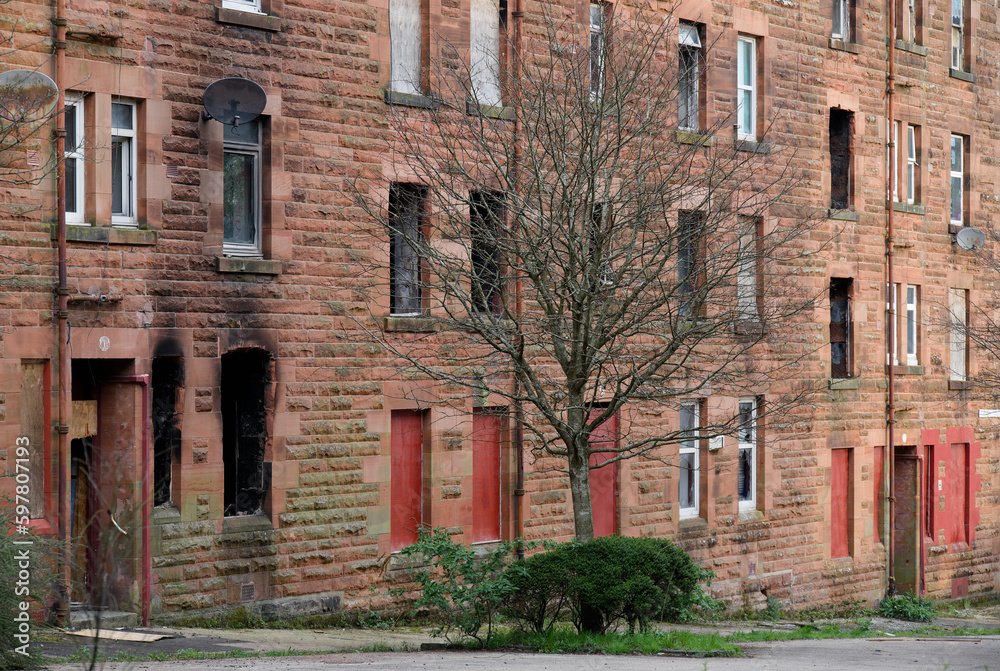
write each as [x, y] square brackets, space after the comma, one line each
[233, 100]
[26, 96]
[970, 238]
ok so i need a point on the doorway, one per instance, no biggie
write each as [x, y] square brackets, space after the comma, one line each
[907, 568]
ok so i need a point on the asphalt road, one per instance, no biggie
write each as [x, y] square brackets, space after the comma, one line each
[980, 654]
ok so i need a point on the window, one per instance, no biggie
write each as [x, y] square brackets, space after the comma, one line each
[958, 35]
[912, 320]
[74, 159]
[598, 11]
[406, 477]
[747, 462]
[245, 378]
[405, 46]
[958, 182]
[689, 87]
[487, 426]
[689, 228]
[912, 164]
[168, 380]
[957, 496]
[486, 216]
[894, 169]
[908, 20]
[406, 203]
[746, 269]
[35, 417]
[689, 474]
[242, 5]
[241, 189]
[123, 147]
[841, 20]
[604, 476]
[486, 20]
[598, 265]
[877, 497]
[746, 85]
[905, 337]
[841, 131]
[841, 350]
[840, 502]
[958, 334]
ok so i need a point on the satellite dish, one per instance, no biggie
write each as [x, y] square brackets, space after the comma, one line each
[26, 96]
[970, 238]
[233, 100]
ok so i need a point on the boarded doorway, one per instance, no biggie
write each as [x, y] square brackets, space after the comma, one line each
[906, 521]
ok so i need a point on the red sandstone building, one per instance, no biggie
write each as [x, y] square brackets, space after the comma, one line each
[188, 385]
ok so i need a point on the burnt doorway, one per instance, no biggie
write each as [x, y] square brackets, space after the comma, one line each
[246, 377]
[906, 521]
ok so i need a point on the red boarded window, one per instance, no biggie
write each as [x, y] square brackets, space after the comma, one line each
[839, 502]
[486, 474]
[958, 494]
[877, 491]
[604, 479]
[406, 475]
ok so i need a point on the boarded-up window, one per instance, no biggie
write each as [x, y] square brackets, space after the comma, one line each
[484, 48]
[877, 492]
[841, 122]
[958, 494]
[487, 471]
[840, 478]
[958, 334]
[406, 473]
[34, 419]
[604, 478]
[405, 46]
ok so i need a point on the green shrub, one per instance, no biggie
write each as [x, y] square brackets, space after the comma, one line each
[11, 647]
[907, 607]
[540, 590]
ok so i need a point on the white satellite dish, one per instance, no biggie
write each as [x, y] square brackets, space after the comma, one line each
[26, 96]
[970, 238]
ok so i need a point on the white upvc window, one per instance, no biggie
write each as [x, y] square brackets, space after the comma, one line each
[689, 57]
[241, 189]
[243, 5]
[123, 164]
[747, 462]
[73, 158]
[598, 12]
[892, 316]
[958, 34]
[912, 316]
[957, 179]
[746, 84]
[911, 164]
[688, 487]
[841, 20]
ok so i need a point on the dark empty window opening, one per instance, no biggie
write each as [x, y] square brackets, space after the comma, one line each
[690, 225]
[168, 378]
[486, 217]
[841, 131]
[245, 380]
[406, 203]
[840, 327]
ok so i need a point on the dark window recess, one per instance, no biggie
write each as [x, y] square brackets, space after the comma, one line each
[406, 203]
[690, 225]
[245, 379]
[486, 217]
[841, 123]
[840, 327]
[168, 377]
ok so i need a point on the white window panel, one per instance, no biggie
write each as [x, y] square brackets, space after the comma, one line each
[746, 75]
[241, 190]
[123, 164]
[957, 179]
[74, 163]
[688, 487]
[747, 462]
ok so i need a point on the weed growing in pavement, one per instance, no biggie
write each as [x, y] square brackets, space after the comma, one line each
[907, 607]
[562, 640]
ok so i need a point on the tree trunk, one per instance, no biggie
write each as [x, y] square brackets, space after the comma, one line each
[579, 487]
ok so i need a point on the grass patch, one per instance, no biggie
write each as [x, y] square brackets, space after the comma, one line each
[244, 618]
[563, 641]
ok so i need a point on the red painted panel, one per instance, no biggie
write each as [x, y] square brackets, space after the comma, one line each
[958, 499]
[840, 461]
[486, 472]
[604, 480]
[877, 487]
[406, 473]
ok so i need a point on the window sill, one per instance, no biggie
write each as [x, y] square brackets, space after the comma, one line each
[962, 74]
[694, 137]
[912, 47]
[841, 215]
[692, 524]
[954, 228]
[909, 208]
[235, 264]
[247, 19]
[842, 45]
[750, 515]
[957, 385]
[753, 147]
[906, 370]
[489, 111]
[166, 514]
[410, 100]
[410, 324]
[844, 383]
[243, 523]
[111, 235]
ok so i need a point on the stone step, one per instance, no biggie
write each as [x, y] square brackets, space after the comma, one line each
[108, 619]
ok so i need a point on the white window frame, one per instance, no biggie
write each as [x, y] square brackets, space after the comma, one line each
[252, 6]
[958, 34]
[888, 162]
[958, 335]
[689, 58]
[746, 270]
[598, 21]
[129, 168]
[957, 173]
[912, 324]
[911, 164]
[841, 20]
[690, 446]
[892, 303]
[746, 96]
[253, 149]
[747, 441]
[77, 153]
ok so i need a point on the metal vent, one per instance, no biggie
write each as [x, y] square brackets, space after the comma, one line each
[248, 592]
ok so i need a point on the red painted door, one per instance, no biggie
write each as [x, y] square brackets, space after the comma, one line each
[604, 479]
[840, 462]
[957, 500]
[486, 472]
[406, 474]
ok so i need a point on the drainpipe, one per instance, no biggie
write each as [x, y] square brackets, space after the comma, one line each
[62, 314]
[146, 503]
[889, 451]
[518, 22]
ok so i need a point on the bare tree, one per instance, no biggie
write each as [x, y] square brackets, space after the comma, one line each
[572, 252]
